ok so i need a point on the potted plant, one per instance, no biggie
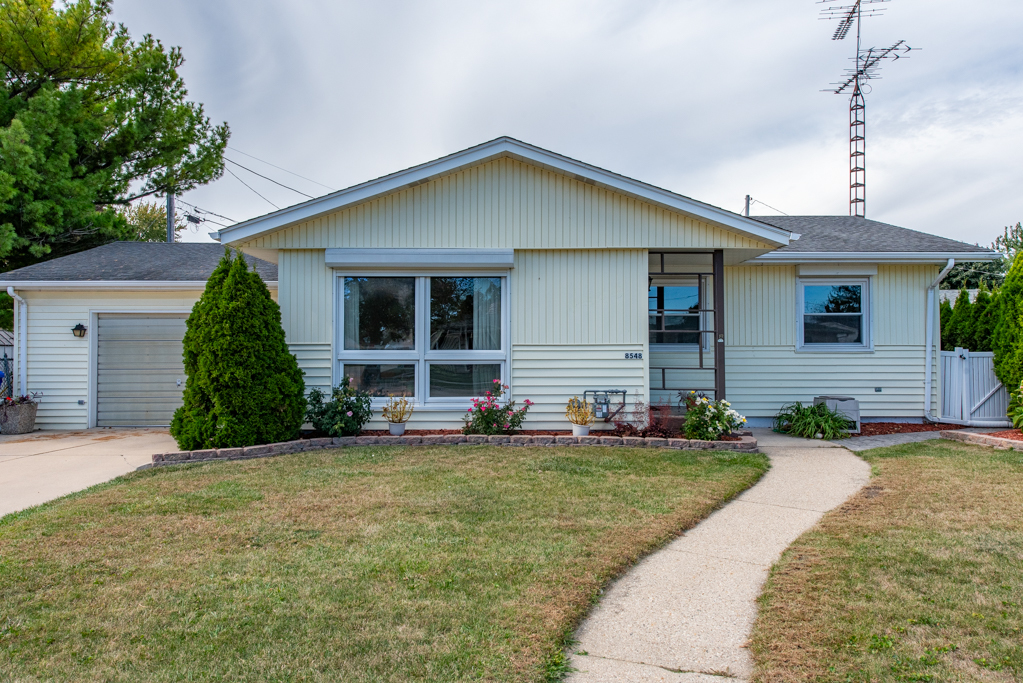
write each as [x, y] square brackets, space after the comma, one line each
[580, 414]
[18, 415]
[397, 412]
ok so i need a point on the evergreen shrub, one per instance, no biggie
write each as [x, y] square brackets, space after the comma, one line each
[1007, 341]
[960, 324]
[945, 316]
[244, 387]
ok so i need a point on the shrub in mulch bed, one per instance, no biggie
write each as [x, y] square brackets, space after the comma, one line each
[880, 428]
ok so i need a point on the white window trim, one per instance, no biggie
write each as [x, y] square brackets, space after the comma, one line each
[867, 345]
[421, 356]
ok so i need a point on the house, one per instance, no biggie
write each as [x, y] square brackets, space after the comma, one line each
[509, 262]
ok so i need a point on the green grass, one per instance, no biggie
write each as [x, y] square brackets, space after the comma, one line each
[917, 578]
[363, 564]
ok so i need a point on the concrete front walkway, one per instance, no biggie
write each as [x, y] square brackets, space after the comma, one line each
[685, 613]
[38, 467]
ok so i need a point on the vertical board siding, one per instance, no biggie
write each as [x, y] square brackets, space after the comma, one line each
[760, 305]
[58, 362]
[550, 375]
[306, 296]
[505, 204]
[584, 296]
[900, 303]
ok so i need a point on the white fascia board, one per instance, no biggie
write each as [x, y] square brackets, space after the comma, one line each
[461, 259]
[872, 257]
[501, 147]
[164, 285]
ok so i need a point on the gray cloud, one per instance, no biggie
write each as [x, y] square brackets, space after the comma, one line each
[711, 98]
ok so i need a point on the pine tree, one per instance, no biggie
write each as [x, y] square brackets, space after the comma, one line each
[945, 317]
[1007, 342]
[244, 387]
[961, 323]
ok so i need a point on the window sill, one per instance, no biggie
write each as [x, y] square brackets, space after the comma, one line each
[834, 349]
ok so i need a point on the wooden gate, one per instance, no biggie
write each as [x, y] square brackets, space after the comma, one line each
[970, 392]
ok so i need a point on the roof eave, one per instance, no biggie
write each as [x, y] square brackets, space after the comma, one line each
[501, 147]
[164, 285]
[873, 257]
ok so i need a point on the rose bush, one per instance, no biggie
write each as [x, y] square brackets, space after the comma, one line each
[489, 416]
[344, 414]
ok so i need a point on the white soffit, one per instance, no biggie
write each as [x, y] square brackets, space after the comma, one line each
[420, 259]
[940, 258]
[811, 269]
[488, 151]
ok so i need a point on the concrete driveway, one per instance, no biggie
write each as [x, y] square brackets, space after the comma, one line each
[44, 465]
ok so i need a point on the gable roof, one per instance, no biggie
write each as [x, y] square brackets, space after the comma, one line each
[503, 147]
[136, 263]
[852, 238]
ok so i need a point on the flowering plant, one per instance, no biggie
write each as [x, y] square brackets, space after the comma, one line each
[489, 416]
[344, 414]
[709, 420]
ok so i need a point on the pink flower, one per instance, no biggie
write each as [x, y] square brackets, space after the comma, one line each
[528, 402]
[505, 386]
[507, 426]
[497, 380]
[349, 413]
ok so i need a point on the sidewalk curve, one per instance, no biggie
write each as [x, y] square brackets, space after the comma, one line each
[684, 613]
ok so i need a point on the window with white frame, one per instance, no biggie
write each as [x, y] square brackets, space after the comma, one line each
[834, 314]
[439, 339]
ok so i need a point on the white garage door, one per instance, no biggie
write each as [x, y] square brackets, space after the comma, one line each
[140, 375]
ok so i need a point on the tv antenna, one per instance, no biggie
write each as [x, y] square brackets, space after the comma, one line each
[868, 64]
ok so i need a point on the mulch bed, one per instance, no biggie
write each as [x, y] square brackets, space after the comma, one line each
[879, 428]
[1014, 434]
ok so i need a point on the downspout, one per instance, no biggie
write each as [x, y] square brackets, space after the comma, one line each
[930, 340]
[22, 342]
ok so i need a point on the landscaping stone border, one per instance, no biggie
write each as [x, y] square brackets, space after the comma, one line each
[983, 440]
[746, 444]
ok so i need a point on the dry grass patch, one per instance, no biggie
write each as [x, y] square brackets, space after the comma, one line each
[363, 564]
[917, 578]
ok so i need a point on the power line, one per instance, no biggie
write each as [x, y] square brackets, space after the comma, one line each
[281, 168]
[268, 178]
[757, 201]
[250, 187]
[201, 210]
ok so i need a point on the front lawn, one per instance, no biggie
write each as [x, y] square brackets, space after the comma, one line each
[917, 578]
[363, 564]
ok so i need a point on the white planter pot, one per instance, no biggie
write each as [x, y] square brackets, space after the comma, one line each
[396, 428]
[580, 430]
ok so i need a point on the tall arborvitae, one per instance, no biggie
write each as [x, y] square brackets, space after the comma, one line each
[984, 319]
[946, 317]
[244, 387]
[961, 323]
[1008, 339]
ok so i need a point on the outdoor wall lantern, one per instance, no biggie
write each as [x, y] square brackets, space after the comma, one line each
[78, 330]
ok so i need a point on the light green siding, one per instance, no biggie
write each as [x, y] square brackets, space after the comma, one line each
[764, 370]
[306, 295]
[59, 362]
[551, 374]
[583, 296]
[506, 204]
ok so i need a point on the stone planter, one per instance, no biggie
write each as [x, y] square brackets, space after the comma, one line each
[580, 430]
[396, 428]
[18, 419]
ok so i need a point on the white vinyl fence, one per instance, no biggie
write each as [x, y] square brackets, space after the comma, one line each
[970, 392]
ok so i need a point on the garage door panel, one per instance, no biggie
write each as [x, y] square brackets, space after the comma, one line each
[138, 367]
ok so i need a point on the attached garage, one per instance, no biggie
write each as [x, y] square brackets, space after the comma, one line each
[140, 376]
[105, 330]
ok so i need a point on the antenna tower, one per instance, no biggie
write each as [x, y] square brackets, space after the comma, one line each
[867, 65]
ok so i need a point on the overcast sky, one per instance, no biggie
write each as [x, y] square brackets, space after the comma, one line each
[714, 99]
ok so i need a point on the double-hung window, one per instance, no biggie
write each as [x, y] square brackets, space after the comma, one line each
[440, 339]
[834, 315]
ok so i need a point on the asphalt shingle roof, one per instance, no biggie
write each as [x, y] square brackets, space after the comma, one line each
[132, 261]
[851, 234]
